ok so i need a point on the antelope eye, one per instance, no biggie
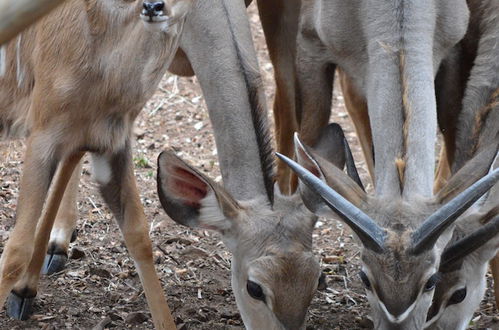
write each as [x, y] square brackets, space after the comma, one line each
[432, 282]
[322, 285]
[255, 291]
[365, 279]
[457, 297]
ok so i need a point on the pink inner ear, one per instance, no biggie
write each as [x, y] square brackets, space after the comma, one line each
[187, 186]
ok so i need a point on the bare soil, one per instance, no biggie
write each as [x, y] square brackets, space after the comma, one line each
[100, 289]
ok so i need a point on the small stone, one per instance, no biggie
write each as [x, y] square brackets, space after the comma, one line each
[333, 259]
[136, 318]
[364, 322]
[101, 272]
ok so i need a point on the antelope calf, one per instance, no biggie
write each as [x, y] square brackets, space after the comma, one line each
[73, 83]
[274, 272]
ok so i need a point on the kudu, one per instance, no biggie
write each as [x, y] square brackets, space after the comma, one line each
[464, 263]
[274, 272]
[402, 240]
[75, 82]
[391, 51]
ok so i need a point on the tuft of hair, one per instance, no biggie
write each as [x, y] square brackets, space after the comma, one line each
[211, 213]
[400, 164]
[480, 118]
[264, 141]
[406, 105]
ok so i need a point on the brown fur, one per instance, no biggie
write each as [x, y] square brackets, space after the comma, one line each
[75, 82]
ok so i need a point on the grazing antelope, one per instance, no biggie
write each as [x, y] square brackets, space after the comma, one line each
[467, 87]
[402, 241]
[75, 82]
[391, 51]
[274, 272]
[464, 263]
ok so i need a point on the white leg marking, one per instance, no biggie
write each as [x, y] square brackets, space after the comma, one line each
[3, 60]
[102, 171]
[19, 70]
[58, 235]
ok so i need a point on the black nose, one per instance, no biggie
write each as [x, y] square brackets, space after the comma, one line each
[152, 8]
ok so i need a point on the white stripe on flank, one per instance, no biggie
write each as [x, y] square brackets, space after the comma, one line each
[19, 70]
[3, 60]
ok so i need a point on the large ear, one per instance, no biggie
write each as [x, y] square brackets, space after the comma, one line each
[328, 173]
[192, 199]
[330, 146]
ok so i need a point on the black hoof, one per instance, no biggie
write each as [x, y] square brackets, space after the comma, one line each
[54, 263]
[20, 307]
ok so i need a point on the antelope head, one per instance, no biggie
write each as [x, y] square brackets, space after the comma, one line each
[464, 264]
[274, 272]
[402, 241]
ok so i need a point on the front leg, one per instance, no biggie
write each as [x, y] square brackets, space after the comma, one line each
[20, 301]
[114, 173]
[39, 167]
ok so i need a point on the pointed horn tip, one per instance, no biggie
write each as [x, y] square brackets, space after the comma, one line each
[297, 140]
[420, 240]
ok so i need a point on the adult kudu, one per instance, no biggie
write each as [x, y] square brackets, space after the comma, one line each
[400, 256]
[74, 83]
[391, 51]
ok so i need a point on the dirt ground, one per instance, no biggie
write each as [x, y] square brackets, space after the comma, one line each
[99, 287]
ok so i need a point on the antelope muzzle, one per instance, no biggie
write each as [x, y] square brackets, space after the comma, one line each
[153, 12]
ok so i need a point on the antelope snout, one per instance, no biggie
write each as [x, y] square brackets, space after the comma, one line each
[153, 9]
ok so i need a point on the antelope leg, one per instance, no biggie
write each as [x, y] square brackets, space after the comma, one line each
[19, 304]
[121, 194]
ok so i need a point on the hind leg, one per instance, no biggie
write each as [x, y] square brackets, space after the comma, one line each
[280, 25]
[64, 230]
[119, 190]
[357, 109]
[19, 304]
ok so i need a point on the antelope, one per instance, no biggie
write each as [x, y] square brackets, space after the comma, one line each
[402, 242]
[73, 83]
[390, 51]
[463, 266]
[274, 272]
[468, 96]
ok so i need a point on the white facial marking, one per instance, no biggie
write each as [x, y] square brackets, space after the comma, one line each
[400, 318]
[3, 60]
[102, 171]
[211, 213]
[19, 70]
